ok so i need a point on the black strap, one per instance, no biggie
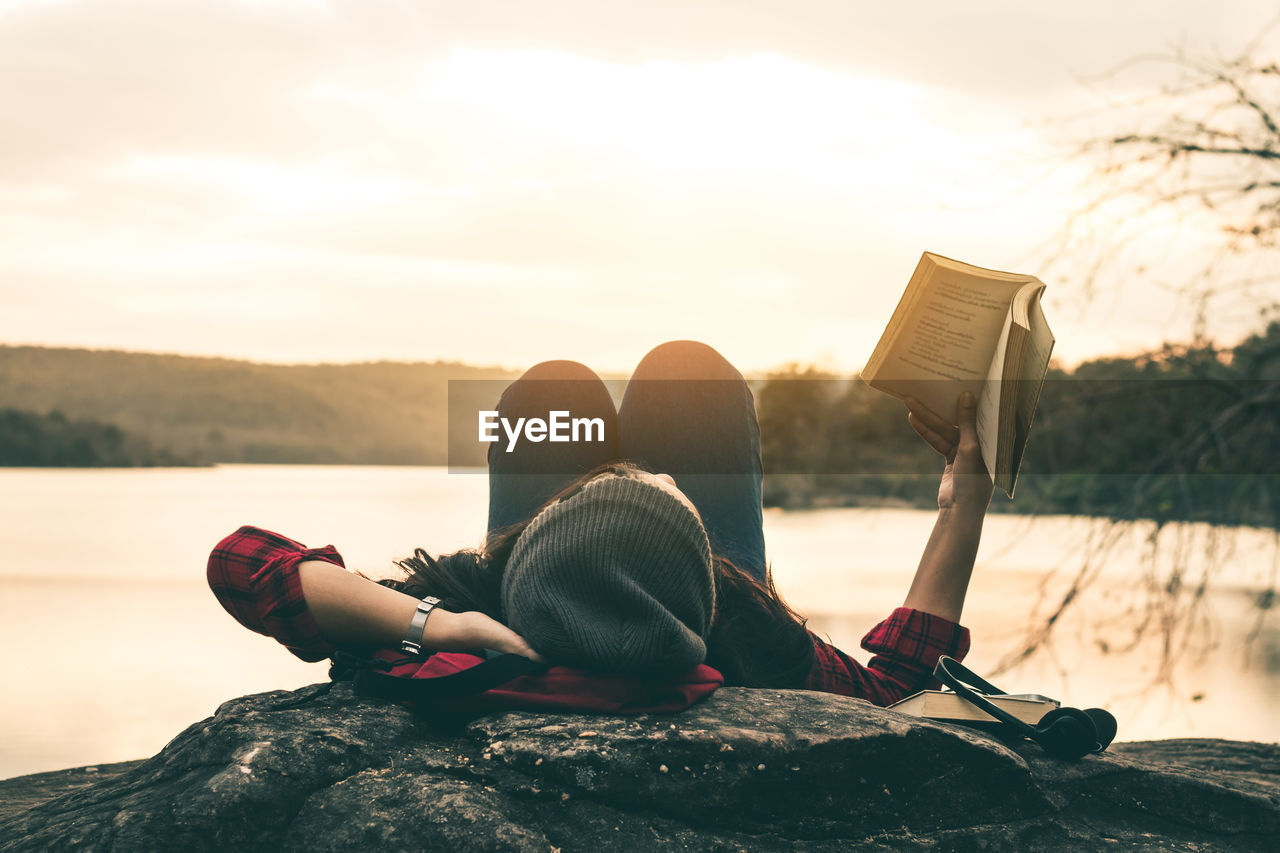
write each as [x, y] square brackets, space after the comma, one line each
[957, 671]
[497, 670]
[1096, 726]
[961, 679]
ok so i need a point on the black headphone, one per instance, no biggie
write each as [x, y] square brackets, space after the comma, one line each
[1068, 733]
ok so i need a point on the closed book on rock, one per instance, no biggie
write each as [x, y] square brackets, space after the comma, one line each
[947, 706]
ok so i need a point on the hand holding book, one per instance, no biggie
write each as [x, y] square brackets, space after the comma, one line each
[967, 349]
[965, 481]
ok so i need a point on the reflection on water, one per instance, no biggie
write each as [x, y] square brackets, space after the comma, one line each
[116, 645]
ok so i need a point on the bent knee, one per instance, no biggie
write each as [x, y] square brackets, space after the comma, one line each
[687, 360]
[558, 369]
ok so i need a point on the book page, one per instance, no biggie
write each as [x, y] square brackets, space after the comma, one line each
[924, 270]
[947, 344]
[988, 414]
[1039, 343]
[1031, 373]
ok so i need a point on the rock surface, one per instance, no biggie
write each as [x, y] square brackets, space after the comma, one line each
[321, 769]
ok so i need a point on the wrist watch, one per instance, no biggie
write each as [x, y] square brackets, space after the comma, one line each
[412, 642]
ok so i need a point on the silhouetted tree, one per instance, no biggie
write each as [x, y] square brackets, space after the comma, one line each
[1203, 153]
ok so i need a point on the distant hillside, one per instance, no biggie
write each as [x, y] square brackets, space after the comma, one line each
[222, 410]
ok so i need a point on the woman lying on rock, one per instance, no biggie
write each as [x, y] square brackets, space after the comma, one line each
[639, 557]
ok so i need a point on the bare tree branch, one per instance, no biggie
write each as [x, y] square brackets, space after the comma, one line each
[1203, 152]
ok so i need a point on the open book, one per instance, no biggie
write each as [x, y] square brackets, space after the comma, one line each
[945, 705]
[959, 327]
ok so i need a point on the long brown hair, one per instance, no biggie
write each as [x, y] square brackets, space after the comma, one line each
[756, 639]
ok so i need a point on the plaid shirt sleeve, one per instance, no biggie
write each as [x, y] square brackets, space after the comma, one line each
[906, 648]
[254, 574]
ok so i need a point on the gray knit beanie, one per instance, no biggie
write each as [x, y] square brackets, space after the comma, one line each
[616, 578]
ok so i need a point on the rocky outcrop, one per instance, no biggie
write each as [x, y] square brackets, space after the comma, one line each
[321, 769]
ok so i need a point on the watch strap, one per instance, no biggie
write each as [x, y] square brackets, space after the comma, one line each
[412, 642]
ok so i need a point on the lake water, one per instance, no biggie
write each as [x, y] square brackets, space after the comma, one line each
[114, 643]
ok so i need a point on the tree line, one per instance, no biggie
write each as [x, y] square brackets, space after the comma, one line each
[1179, 433]
[222, 410]
[52, 440]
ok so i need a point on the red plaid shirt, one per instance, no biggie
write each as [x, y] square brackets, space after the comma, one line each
[254, 574]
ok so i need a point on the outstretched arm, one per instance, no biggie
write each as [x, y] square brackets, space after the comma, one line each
[907, 644]
[942, 578]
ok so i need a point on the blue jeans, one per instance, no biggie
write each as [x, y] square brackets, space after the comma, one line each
[686, 412]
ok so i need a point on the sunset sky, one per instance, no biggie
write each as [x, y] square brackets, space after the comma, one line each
[505, 182]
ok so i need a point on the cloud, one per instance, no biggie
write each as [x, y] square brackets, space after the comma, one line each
[83, 81]
[387, 159]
